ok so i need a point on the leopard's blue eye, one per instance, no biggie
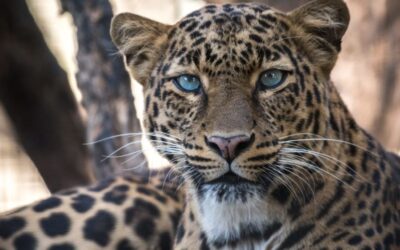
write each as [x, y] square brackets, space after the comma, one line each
[272, 78]
[188, 83]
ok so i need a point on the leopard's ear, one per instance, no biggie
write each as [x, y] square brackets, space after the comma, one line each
[323, 23]
[141, 41]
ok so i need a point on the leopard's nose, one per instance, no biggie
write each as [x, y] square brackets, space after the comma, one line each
[229, 147]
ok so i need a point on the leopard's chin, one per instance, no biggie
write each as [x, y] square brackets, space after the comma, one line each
[222, 202]
[230, 191]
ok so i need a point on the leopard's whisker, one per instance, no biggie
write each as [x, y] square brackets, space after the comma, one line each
[330, 159]
[132, 143]
[300, 134]
[314, 187]
[284, 180]
[158, 134]
[301, 187]
[334, 161]
[303, 178]
[131, 158]
[330, 140]
[123, 155]
[170, 172]
[138, 152]
[322, 170]
[120, 148]
[139, 166]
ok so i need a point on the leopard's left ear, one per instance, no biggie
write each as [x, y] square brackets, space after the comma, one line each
[141, 41]
[324, 23]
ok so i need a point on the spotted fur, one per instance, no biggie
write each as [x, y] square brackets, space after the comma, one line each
[306, 176]
[122, 213]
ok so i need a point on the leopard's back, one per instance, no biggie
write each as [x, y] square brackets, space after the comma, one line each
[124, 212]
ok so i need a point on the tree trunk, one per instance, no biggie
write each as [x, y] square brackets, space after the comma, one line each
[387, 121]
[36, 95]
[105, 88]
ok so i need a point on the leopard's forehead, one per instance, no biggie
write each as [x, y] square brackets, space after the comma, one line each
[232, 18]
[232, 32]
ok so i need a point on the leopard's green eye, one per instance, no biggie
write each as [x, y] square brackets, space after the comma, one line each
[272, 78]
[188, 83]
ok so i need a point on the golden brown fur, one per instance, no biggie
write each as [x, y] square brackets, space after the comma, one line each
[305, 175]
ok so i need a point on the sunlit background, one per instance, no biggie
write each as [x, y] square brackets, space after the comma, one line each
[357, 78]
[20, 182]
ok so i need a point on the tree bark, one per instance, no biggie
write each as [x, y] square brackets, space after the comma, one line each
[387, 120]
[36, 95]
[105, 87]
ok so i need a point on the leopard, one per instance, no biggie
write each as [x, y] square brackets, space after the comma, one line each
[133, 210]
[266, 155]
[239, 98]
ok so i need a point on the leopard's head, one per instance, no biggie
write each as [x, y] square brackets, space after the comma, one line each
[227, 84]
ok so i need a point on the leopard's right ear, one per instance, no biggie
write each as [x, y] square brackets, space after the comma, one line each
[141, 41]
[323, 24]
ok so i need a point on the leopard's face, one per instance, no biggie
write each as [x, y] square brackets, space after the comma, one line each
[229, 87]
[225, 88]
[232, 82]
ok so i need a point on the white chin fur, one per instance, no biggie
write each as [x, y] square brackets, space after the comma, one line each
[223, 219]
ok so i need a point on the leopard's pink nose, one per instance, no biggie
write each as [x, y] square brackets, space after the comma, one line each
[229, 147]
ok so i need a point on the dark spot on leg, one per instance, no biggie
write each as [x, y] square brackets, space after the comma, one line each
[165, 242]
[145, 228]
[141, 209]
[56, 224]
[153, 193]
[125, 244]
[46, 204]
[82, 203]
[117, 195]
[10, 226]
[25, 241]
[99, 227]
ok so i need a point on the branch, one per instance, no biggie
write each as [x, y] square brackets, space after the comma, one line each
[105, 87]
[39, 102]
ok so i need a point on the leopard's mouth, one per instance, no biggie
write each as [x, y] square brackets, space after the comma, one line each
[230, 178]
[230, 188]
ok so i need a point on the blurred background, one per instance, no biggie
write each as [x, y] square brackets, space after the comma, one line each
[63, 87]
